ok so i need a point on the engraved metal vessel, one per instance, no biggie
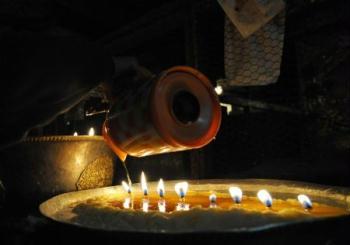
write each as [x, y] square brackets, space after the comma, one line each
[41, 167]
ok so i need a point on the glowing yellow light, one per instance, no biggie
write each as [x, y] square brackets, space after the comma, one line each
[160, 188]
[181, 189]
[144, 184]
[91, 132]
[236, 194]
[126, 187]
[212, 198]
[228, 108]
[219, 90]
[305, 201]
[265, 197]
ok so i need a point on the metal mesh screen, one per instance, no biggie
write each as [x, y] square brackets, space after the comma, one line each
[257, 59]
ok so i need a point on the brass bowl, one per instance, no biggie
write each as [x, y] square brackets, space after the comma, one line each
[41, 167]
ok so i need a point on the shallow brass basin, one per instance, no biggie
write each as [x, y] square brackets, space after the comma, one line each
[41, 167]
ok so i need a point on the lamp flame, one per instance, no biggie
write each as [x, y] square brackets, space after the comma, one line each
[305, 201]
[126, 187]
[144, 184]
[265, 197]
[181, 189]
[219, 90]
[91, 132]
[236, 194]
[212, 198]
[75, 133]
[161, 188]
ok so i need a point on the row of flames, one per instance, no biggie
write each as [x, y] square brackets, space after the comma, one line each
[91, 132]
[181, 189]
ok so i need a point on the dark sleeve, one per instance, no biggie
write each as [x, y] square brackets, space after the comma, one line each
[44, 76]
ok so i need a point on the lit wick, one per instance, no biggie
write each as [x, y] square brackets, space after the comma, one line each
[126, 187]
[219, 90]
[212, 200]
[161, 193]
[305, 201]
[91, 132]
[236, 194]
[75, 133]
[160, 188]
[144, 184]
[265, 197]
[145, 201]
[127, 201]
[181, 190]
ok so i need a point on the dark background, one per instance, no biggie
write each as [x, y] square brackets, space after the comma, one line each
[310, 142]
